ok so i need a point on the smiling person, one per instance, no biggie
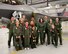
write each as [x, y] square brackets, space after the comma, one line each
[41, 30]
[58, 28]
[33, 34]
[54, 35]
[10, 27]
[46, 19]
[17, 36]
[21, 29]
[26, 35]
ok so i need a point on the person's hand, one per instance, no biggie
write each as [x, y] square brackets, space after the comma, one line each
[30, 36]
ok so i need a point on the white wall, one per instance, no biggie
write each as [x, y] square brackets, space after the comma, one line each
[65, 26]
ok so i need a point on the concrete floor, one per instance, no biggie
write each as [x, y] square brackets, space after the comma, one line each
[42, 49]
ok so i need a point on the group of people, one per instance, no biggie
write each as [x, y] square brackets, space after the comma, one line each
[28, 34]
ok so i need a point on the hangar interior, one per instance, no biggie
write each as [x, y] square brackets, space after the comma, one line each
[51, 8]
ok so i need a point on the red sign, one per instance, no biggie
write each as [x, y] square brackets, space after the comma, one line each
[65, 14]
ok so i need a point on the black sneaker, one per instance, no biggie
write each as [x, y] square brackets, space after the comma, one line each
[20, 48]
[53, 43]
[48, 44]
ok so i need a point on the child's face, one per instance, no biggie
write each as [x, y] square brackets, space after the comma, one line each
[26, 23]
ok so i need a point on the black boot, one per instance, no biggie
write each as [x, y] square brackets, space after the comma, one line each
[52, 43]
[8, 44]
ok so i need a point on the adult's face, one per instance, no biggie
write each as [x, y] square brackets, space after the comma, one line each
[57, 19]
[23, 16]
[32, 18]
[21, 20]
[32, 23]
[12, 18]
[50, 20]
[46, 17]
[41, 20]
[26, 23]
[17, 23]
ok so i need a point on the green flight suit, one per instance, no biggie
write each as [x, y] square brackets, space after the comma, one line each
[37, 38]
[17, 41]
[41, 30]
[47, 31]
[10, 27]
[33, 37]
[54, 37]
[58, 28]
[21, 29]
[44, 32]
[26, 35]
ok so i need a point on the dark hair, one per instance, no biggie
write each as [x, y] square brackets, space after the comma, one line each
[58, 19]
[40, 20]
